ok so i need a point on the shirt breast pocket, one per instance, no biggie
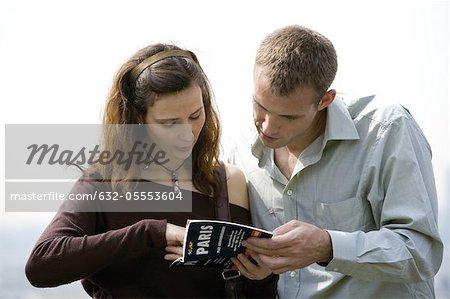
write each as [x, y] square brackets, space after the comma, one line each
[348, 215]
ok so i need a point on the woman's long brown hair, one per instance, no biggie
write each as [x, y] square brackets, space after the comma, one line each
[128, 102]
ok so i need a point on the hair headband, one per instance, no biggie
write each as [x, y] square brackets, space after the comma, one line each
[155, 58]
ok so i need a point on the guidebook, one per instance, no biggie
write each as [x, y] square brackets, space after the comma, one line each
[211, 243]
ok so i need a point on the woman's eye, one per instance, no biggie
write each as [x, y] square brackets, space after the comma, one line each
[195, 116]
[168, 125]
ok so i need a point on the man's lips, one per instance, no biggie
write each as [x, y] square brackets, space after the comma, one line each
[267, 136]
[264, 135]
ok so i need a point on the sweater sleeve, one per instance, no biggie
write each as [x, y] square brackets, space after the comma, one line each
[70, 248]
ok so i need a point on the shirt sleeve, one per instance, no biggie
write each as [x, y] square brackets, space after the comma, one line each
[406, 246]
[71, 249]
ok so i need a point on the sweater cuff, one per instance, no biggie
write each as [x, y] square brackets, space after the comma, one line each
[156, 230]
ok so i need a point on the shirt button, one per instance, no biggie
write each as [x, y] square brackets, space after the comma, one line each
[289, 192]
[292, 274]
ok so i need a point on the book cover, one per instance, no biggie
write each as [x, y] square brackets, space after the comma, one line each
[212, 243]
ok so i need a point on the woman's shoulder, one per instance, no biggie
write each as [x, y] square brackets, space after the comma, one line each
[237, 186]
[235, 174]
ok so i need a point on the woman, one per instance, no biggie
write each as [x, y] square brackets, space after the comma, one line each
[127, 255]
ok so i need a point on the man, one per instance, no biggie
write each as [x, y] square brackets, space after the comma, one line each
[348, 188]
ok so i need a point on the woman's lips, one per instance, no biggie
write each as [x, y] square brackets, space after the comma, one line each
[183, 148]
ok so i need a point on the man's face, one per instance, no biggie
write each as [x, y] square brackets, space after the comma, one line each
[285, 120]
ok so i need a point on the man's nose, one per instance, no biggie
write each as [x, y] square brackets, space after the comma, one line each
[268, 125]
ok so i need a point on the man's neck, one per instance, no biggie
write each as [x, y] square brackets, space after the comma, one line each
[286, 157]
[317, 129]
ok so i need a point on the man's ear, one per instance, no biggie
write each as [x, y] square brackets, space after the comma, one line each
[327, 99]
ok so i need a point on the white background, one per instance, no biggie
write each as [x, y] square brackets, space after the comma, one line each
[57, 60]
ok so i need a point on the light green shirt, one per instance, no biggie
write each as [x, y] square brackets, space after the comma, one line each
[368, 180]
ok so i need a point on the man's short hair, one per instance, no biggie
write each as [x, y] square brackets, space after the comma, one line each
[294, 57]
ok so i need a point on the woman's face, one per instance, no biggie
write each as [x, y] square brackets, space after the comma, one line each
[176, 121]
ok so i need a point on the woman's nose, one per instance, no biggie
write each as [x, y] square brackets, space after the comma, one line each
[186, 133]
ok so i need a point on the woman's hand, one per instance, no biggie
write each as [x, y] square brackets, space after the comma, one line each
[255, 270]
[174, 238]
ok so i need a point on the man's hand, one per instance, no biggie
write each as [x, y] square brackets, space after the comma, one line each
[174, 238]
[255, 270]
[293, 245]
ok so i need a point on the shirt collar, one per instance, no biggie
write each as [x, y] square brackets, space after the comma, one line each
[339, 125]
[258, 149]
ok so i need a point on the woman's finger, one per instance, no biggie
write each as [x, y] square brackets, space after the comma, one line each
[242, 268]
[247, 263]
[175, 249]
[171, 257]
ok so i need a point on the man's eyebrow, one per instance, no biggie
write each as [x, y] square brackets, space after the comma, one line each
[259, 104]
[282, 115]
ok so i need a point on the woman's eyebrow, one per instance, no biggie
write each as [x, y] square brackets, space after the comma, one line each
[176, 118]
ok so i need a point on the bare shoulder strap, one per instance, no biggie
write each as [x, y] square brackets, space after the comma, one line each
[222, 205]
